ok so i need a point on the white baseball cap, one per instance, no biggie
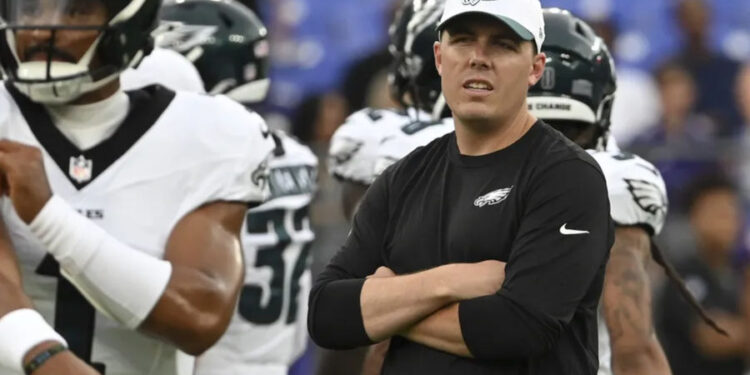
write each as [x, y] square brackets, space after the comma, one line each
[522, 16]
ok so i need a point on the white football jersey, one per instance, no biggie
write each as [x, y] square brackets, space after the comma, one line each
[171, 155]
[269, 329]
[165, 67]
[412, 136]
[637, 196]
[354, 145]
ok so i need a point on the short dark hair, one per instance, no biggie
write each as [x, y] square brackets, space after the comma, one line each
[704, 184]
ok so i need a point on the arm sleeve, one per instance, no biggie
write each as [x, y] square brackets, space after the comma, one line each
[335, 316]
[551, 271]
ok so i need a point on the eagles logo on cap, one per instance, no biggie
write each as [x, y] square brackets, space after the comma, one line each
[524, 17]
[474, 2]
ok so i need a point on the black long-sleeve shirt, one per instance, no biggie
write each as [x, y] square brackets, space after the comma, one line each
[540, 205]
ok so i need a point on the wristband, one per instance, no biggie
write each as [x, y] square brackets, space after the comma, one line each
[43, 357]
[20, 331]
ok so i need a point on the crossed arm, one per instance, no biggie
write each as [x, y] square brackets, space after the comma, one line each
[456, 307]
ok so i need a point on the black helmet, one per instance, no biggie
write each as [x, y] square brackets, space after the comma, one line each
[577, 88]
[413, 33]
[124, 39]
[227, 43]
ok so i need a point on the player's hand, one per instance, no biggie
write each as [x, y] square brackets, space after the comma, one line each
[472, 280]
[23, 178]
[382, 272]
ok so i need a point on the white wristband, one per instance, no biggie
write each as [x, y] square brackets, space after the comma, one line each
[121, 282]
[20, 331]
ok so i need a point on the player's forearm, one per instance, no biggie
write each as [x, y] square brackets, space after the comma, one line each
[199, 300]
[442, 331]
[390, 305]
[194, 311]
[638, 360]
[626, 306]
[12, 296]
[8, 262]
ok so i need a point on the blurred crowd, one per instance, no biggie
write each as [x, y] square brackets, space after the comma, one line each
[683, 103]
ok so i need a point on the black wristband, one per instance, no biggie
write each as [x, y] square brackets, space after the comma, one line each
[43, 357]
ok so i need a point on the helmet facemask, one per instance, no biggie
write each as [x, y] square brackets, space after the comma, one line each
[55, 51]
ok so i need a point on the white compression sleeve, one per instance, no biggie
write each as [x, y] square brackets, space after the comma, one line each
[122, 282]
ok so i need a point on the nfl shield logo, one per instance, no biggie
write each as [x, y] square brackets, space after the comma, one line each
[80, 169]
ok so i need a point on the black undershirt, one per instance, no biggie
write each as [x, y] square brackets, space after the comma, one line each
[517, 205]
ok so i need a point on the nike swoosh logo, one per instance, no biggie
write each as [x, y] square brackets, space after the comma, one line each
[569, 232]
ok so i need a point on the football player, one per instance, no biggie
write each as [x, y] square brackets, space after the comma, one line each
[125, 209]
[575, 96]
[414, 83]
[415, 76]
[227, 43]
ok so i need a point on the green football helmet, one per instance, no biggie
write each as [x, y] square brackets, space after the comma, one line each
[124, 39]
[414, 80]
[576, 91]
[226, 42]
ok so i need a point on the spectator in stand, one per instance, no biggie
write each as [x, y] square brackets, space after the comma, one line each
[693, 347]
[680, 120]
[714, 74]
[679, 144]
[742, 93]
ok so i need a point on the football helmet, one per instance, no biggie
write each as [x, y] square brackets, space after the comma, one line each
[577, 89]
[226, 42]
[414, 80]
[124, 38]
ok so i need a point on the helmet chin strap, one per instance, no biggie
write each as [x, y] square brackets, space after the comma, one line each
[439, 107]
[601, 143]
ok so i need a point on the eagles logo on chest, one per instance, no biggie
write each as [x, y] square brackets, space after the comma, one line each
[492, 198]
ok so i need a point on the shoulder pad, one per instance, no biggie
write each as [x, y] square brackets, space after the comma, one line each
[292, 152]
[354, 145]
[637, 192]
[413, 136]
